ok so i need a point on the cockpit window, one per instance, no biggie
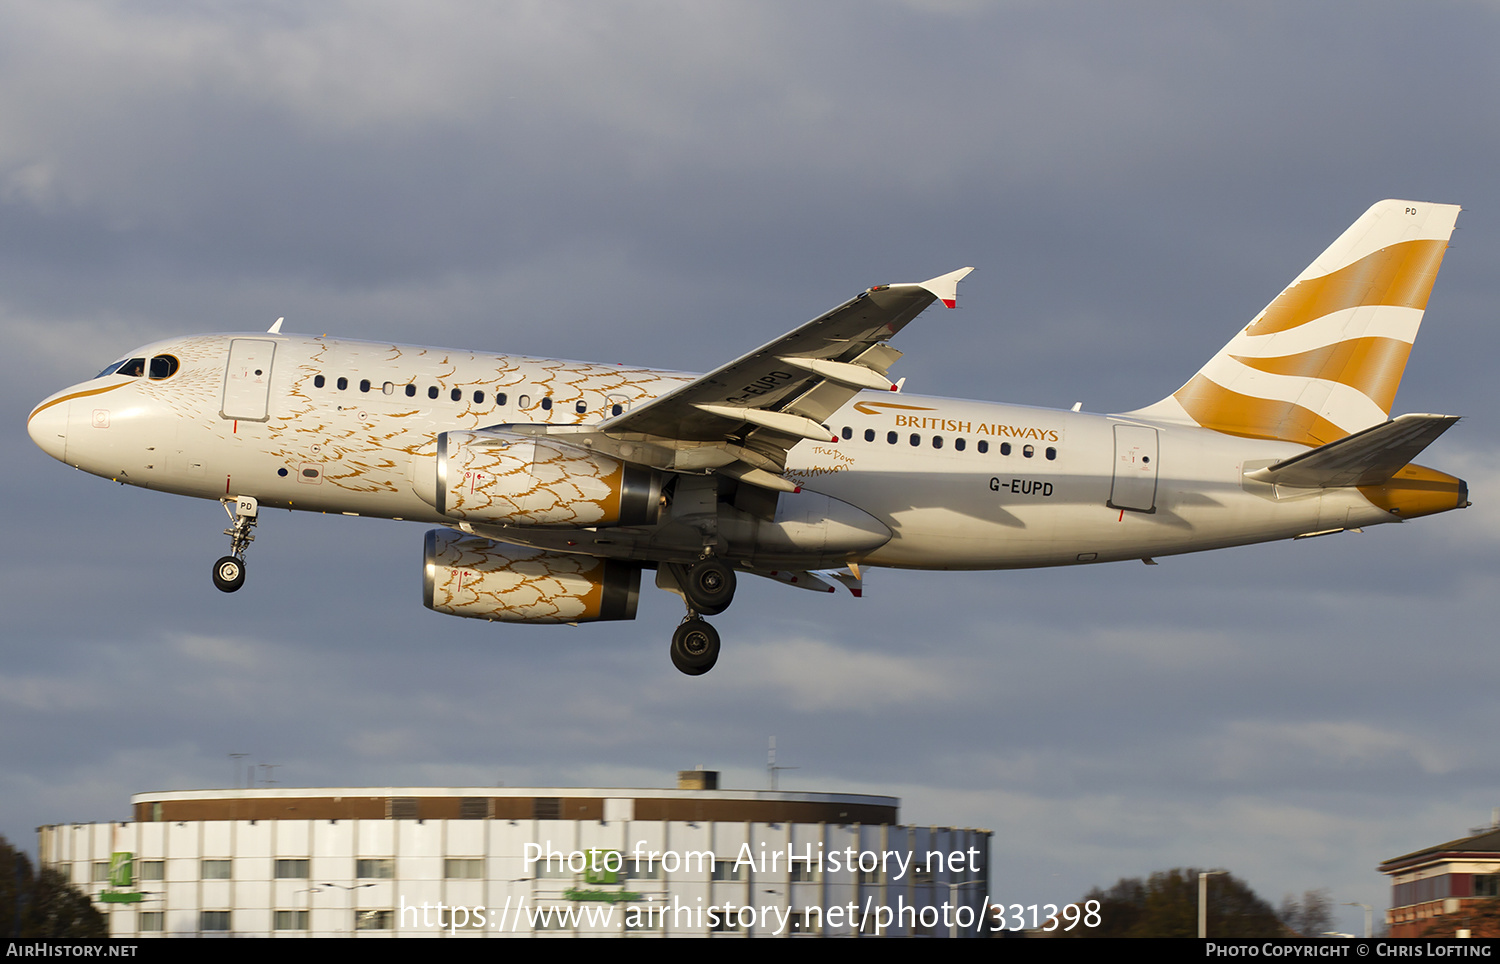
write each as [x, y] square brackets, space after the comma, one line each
[130, 367]
[163, 366]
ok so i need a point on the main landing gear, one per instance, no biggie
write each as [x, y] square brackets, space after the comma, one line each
[708, 588]
[229, 571]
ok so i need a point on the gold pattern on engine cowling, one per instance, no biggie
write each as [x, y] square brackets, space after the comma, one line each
[509, 479]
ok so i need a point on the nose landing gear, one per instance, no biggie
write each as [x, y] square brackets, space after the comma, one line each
[229, 571]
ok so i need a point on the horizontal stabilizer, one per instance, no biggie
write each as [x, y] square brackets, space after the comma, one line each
[1369, 457]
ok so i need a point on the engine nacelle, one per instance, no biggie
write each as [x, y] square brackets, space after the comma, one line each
[482, 579]
[497, 477]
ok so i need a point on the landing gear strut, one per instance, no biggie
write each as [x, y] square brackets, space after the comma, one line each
[229, 571]
[695, 646]
[707, 586]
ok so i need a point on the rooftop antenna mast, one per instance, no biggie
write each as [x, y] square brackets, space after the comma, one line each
[771, 768]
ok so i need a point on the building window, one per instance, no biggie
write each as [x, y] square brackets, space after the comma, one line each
[728, 870]
[291, 920]
[213, 920]
[153, 869]
[802, 922]
[402, 808]
[801, 872]
[473, 808]
[375, 868]
[292, 868]
[641, 868]
[546, 808]
[373, 920]
[149, 921]
[1487, 885]
[215, 870]
[101, 871]
[463, 868]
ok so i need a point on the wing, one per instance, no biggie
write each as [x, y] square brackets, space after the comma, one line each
[758, 406]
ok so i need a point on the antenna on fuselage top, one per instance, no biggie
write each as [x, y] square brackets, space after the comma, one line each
[276, 328]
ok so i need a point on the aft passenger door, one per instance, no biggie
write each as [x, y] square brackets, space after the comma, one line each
[1134, 485]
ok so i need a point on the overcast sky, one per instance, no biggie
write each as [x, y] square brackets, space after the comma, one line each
[671, 184]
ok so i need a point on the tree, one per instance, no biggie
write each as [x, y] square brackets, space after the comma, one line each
[1311, 917]
[1166, 905]
[45, 904]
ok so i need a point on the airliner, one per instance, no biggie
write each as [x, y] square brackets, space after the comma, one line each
[554, 484]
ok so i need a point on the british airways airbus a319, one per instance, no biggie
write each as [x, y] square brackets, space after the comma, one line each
[554, 484]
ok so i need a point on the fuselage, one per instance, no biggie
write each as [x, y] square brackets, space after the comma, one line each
[330, 425]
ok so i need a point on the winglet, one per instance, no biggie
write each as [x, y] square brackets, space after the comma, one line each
[276, 328]
[945, 287]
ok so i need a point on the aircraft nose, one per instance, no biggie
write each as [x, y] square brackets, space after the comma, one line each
[48, 426]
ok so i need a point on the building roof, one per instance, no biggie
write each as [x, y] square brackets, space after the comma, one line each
[1484, 844]
[514, 803]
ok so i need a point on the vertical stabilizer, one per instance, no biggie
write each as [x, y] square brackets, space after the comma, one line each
[1325, 358]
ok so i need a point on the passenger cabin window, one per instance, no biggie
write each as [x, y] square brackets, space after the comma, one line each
[343, 383]
[983, 446]
[1029, 451]
[547, 404]
[432, 391]
[581, 407]
[499, 398]
[389, 388]
[163, 366]
[456, 394]
[1051, 454]
[1004, 448]
[890, 437]
[615, 410]
[523, 401]
[937, 441]
[479, 398]
[319, 381]
[364, 384]
[848, 432]
[869, 435]
[959, 444]
[411, 390]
